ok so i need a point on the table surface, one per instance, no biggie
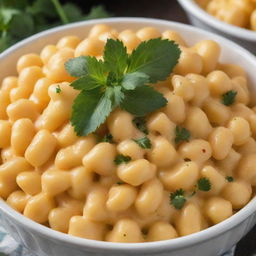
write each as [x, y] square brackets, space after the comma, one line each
[170, 10]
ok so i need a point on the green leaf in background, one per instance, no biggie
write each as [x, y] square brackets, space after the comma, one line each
[21, 25]
[97, 12]
[42, 7]
[73, 12]
[17, 4]
[5, 42]
[22, 18]
[6, 15]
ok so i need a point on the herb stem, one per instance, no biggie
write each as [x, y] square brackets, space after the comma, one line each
[60, 11]
[4, 33]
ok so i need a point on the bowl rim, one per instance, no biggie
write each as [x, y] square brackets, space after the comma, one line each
[194, 9]
[176, 243]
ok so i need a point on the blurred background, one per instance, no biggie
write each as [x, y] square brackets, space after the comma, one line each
[22, 18]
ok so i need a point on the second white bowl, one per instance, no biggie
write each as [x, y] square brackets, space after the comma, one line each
[200, 18]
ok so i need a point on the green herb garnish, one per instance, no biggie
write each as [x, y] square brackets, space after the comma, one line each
[140, 123]
[143, 142]
[229, 97]
[204, 184]
[107, 138]
[229, 178]
[120, 183]
[58, 89]
[182, 134]
[178, 199]
[122, 159]
[120, 80]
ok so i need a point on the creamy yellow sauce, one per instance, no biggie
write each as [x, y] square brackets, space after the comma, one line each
[72, 184]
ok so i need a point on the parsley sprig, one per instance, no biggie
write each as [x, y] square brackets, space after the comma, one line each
[204, 184]
[229, 178]
[181, 134]
[140, 124]
[229, 97]
[143, 142]
[122, 159]
[108, 138]
[58, 89]
[179, 197]
[120, 80]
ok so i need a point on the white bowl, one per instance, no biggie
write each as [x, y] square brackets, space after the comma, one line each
[46, 242]
[200, 18]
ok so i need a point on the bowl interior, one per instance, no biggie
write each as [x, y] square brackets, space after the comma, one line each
[231, 53]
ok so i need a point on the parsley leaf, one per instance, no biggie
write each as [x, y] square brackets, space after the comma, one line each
[77, 67]
[229, 178]
[107, 138]
[117, 95]
[132, 80]
[182, 134]
[143, 142]
[228, 98]
[58, 89]
[140, 123]
[204, 184]
[178, 199]
[91, 71]
[85, 83]
[120, 183]
[115, 56]
[142, 100]
[122, 159]
[155, 57]
[90, 110]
